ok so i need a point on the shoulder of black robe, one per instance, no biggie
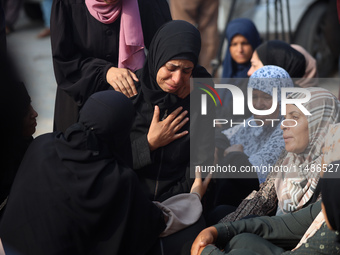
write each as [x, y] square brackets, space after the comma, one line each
[71, 196]
[280, 53]
[153, 13]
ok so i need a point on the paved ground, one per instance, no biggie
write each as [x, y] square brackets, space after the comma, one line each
[35, 62]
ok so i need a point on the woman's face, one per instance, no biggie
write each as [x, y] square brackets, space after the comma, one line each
[174, 76]
[256, 63]
[296, 138]
[264, 101]
[29, 122]
[240, 49]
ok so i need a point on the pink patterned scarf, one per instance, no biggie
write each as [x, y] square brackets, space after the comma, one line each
[131, 41]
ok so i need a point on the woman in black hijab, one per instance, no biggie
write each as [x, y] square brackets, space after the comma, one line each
[278, 53]
[160, 139]
[73, 193]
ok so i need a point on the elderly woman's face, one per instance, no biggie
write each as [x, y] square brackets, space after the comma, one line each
[174, 76]
[296, 138]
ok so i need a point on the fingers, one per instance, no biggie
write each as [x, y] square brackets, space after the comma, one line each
[156, 112]
[198, 244]
[207, 180]
[132, 84]
[180, 135]
[126, 86]
[180, 121]
[174, 114]
[122, 81]
[133, 75]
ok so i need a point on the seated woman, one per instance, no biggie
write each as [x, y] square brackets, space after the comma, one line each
[258, 144]
[278, 53]
[159, 135]
[75, 194]
[310, 230]
[303, 150]
[306, 230]
[243, 38]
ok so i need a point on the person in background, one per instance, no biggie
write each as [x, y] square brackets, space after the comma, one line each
[243, 38]
[97, 45]
[203, 14]
[279, 53]
[46, 6]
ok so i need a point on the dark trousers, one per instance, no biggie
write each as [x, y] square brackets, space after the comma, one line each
[246, 244]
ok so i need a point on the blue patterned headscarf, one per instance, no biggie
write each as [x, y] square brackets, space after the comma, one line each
[246, 28]
[263, 144]
[268, 77]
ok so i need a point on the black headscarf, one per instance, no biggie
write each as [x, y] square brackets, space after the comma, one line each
[330, 184]
[281, 54]
[16, 102]
[72, 196]
[176, 39]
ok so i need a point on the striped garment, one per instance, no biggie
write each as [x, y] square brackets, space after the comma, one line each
[294, 189]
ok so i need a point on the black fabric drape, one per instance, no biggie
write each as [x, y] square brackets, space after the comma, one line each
[73, 196]
[279, 53]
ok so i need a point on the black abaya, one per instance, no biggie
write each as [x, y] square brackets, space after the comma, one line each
[164, 172]
[72, 195]
[84, 49]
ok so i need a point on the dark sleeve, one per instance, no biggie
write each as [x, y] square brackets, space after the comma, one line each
[154, 13]
[182, 186]
[141, 152]
[221, 141]
[285, 229]
[78, 72]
